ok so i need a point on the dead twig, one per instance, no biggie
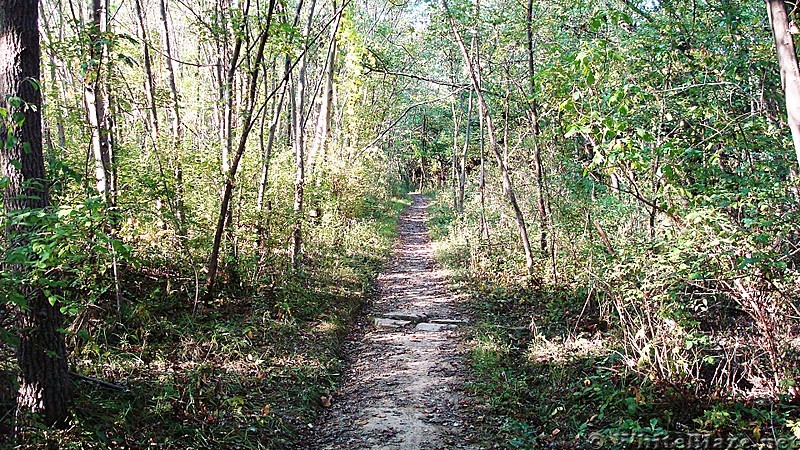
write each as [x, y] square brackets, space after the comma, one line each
[101, 383]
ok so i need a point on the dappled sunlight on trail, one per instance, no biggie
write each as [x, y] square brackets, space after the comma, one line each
[402, 387]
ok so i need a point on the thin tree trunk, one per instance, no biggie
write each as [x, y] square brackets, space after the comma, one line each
[423, 149]
[298, 108]
[482, 177]
[454, 159]
[149, 80]
[248, 121]
[787, 60]
[152, 121]
[266, 154]
[506, 114]
[96, 101]
[44, 387]
[177, 124]
[58, 115]
[508, 187]
[322, 133]
[227, 95]
[537, 153]
[462, 177]
[57, 72]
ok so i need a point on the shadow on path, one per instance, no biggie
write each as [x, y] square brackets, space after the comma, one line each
[401, 390]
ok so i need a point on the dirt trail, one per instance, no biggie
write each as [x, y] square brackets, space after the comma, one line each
[401, 390]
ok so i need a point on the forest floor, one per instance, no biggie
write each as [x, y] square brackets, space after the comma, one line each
[403, 388]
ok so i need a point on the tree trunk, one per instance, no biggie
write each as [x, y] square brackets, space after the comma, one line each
[787, 60]
[482, 178]
[508, 187]
[227, 95]
[149, 80]
[298, 108]
[506, 112]
[454, 160]
[322, 133]
[266, 153]
[537, 153]
[95, 95]
[462, 176]
[58, 115]
[230, 177]
[423, 149]
[44, 387]
[177, 124]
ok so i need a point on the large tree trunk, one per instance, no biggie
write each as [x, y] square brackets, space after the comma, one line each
[787, 60]
[508, 187]
[44, 387]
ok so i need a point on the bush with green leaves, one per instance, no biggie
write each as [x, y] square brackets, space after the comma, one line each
[66, 253]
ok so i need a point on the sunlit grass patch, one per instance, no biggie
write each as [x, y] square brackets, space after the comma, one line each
[490, 348]
[564, 349]
[326, 327]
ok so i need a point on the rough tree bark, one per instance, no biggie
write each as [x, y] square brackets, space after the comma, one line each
[44, 387]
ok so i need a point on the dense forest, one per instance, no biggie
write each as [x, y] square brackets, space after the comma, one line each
[199, 197]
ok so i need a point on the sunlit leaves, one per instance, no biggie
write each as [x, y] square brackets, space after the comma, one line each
[61, 253]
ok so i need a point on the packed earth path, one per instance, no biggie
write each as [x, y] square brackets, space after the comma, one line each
[402, 389]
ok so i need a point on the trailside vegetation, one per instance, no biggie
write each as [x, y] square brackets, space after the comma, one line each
[648, 145]
[198, 196]
[157, 236]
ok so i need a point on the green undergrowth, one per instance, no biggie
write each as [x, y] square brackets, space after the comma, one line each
[548, 371]
[247, 370]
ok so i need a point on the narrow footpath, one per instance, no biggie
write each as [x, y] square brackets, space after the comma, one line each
[402, 387]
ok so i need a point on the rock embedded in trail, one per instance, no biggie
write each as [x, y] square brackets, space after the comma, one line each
[382, 322]
[425, 326]
[414, 317]
[450, 321]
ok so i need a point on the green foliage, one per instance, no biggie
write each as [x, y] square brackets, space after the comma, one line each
[63, 253]
[662, 300]
[261, 361]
